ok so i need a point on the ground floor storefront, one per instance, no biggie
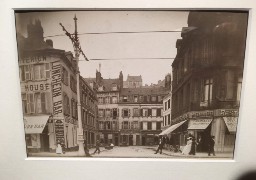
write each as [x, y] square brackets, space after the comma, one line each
[109, 137]
[43, 133]
[202, 125]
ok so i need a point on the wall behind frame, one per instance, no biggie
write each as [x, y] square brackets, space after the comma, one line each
[12, 143]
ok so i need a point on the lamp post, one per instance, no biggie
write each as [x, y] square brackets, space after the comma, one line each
[78, 51]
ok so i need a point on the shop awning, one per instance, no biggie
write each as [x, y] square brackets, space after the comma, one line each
[195, 124]
[35, 124]
[171, 128]
[231, 123]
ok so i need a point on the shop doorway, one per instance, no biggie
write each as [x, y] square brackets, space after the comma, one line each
[143, 140]
[204, 137]
[44, 140]
[130, 140]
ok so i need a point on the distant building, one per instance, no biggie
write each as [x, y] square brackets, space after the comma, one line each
[108, 96]
[207, 78]
[133, 82]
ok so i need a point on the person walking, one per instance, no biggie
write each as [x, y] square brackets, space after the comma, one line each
[160, 146]
[193, 147]
[86, 150]
[211, 146]
[187, 148]
[97, 147]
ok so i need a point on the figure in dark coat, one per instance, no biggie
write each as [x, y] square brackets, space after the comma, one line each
[160, 146]
[193, 147]
[211, 146]
[97, 147]
[86, 150]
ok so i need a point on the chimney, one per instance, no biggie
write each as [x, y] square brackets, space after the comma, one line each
[49, 42]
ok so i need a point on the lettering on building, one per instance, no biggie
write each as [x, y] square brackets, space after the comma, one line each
[59, 131]
[56, 89]
[32, 59]
[36, 87]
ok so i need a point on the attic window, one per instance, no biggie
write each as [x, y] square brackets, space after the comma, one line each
[101, 88]
[125, 99]
[114, 87]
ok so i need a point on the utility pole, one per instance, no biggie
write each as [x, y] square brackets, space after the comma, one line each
[77, 49]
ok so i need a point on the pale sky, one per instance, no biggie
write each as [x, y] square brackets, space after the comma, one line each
[104, 46]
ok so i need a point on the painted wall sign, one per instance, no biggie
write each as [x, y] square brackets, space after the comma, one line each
[226, 112]
[231, 123]
[57, 89]
[32, 59]
[34, 87]
[59, 131]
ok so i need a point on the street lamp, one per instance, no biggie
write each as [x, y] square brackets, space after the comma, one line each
[78, 51]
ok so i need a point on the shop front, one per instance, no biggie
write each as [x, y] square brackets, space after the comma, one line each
[149, 138]
[36, 133]
[107, 138]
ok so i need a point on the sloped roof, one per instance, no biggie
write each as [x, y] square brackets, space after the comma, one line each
[134, 78]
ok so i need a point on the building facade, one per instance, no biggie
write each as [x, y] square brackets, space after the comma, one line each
[207, 78]
[49, 93]
[140, 115]
[133, 82]
[89, 112]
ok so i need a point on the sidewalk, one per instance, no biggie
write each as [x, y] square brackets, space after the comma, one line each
[222, 155]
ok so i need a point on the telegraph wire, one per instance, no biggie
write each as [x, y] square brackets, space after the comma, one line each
[118, 32]
[105, 59]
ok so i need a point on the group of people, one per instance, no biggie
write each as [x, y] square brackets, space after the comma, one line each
[191, 147]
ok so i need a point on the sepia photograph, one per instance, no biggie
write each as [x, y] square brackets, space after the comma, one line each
[131, 84]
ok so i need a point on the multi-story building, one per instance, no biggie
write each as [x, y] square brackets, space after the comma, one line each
[133, 82]
[49, 94]
[108, 96]
[207, 78]
[141, 114]
[48, 88]
[89, 111]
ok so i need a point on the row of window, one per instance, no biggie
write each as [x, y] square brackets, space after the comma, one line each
[66, 79]
[70, 110]
[108, 125]
[113, 125]
[88, 119]
[136, 112]
[108, 100]
[35, 72]
[141, 98]
[36, 103]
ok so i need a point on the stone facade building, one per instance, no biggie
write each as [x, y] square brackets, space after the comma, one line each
[207, 78]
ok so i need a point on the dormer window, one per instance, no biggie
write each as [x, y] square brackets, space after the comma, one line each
[101, 88]
[125, 98]
[114, 87]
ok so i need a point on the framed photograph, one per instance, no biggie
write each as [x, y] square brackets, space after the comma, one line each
[84, 94]
[147, 90]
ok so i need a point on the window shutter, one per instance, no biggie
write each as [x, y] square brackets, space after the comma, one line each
[129, 112]
[104, 112]
[122, 112]
[117, 112]
[110, 100]
[141, 112]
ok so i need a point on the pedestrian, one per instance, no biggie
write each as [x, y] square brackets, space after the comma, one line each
[59, 148]
[160, 146]
[97, 147]
[86, 150]
[187, 148]
[193, 147]
[211, 146]
[199, 144]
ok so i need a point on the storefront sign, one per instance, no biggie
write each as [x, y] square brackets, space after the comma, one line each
[199, 123]
[231, 123]
[226, 112]
[33, 87]
[59, 131]
[56, 89]
[193, 114]
[32, 59]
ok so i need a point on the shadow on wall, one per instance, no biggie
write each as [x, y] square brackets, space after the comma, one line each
[250, 175]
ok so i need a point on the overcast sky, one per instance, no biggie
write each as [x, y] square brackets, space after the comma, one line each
[146, 45]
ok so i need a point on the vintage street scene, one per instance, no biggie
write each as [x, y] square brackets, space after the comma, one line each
[131, 84]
